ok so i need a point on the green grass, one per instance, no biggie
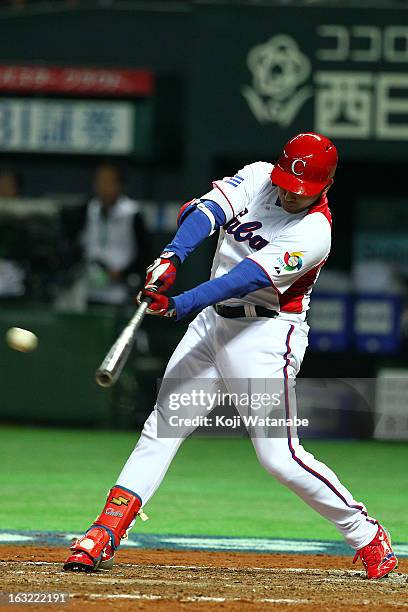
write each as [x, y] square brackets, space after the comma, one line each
[57, 480]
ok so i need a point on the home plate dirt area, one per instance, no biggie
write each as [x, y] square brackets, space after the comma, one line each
[163, 580]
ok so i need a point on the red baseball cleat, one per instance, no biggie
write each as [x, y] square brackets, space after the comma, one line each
[378, 557]
[95, 550]
[91, 552]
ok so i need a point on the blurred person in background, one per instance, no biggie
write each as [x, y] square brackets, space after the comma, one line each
[10, 183]
[104, 245]
[11, 272]
[114, 239]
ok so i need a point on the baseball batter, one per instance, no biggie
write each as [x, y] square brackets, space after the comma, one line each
[274, 227]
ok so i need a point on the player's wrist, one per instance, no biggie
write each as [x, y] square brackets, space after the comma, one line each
[172, 307]
[173, 257]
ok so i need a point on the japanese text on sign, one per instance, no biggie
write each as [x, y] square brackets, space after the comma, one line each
[45, 126]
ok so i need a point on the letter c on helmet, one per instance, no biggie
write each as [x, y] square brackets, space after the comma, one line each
[298, 161]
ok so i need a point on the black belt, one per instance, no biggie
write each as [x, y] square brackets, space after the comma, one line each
[235, 312]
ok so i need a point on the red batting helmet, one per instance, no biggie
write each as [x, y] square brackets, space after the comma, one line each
[306, 165]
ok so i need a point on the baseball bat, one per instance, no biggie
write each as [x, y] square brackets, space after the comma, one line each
[111, 367]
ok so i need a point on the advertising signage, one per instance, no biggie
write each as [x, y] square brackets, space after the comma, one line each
[341, 72]
[66, 126]
[75, 80]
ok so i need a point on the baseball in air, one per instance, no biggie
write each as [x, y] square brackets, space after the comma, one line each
[21, 339]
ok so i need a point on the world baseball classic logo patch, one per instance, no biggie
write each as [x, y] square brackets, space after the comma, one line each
[293, 261]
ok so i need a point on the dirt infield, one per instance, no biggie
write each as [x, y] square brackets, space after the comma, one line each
[167, 581]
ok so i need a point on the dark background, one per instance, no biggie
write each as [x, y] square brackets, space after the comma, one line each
[202, 129]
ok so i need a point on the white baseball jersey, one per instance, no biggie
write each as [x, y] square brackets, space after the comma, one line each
[290, 248]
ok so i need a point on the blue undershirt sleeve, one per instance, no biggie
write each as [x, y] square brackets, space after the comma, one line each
[244, 278]
[194, 229]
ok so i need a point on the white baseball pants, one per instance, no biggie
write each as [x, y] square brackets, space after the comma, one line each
[223, 349]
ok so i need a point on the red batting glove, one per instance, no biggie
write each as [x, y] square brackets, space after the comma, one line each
[160, 304]
[161, 274]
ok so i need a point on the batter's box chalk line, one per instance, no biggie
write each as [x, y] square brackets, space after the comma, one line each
[331, 575]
